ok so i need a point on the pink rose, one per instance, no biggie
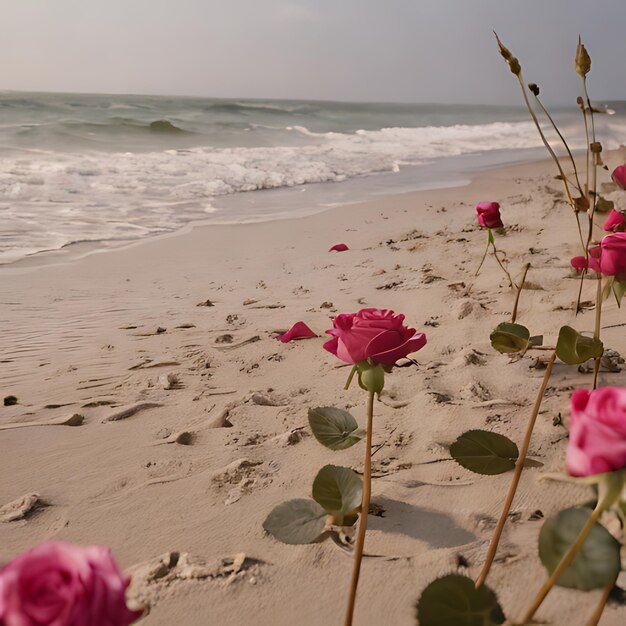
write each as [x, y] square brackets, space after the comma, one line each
[61, 584]
[376, 334]
[613, 255]
[619, 176]
[489, 215]
[597, 434]
[616, 221]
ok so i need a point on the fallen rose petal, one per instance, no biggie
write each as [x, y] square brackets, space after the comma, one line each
[338, 247]
[298, 331]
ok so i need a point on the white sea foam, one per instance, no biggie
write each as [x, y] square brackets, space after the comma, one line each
[50, 199]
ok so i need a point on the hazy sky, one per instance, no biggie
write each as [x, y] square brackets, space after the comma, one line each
[378, 50]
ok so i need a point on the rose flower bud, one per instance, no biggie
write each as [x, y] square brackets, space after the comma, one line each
[376, 334]
[61, 584]
[613, 256]
[597, 435]
[619, 176]
[616, 221]
[489, 215]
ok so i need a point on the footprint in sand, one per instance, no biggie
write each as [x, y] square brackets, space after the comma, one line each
[21, 508]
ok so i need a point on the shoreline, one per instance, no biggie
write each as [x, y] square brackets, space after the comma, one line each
[99, 337]
[361, 188]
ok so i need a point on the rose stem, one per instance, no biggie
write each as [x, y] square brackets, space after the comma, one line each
[519, 292]
[365, 505]
[495, 254]
[596, 332]
[565, 562]
[519, 466]
[484, 256]
[552, 154]
[597, 614]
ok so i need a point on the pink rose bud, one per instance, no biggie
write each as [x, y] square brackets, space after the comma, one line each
[579, 263]
[376, 334]
[613, 255]
[615, 221]
[619, 176]
[298, 331]
[489, 215]
[338, 247]
[61, 584]
[597, 434]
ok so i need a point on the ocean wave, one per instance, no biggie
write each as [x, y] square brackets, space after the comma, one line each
[96, 195]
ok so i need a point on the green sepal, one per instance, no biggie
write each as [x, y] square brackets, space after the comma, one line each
[371, 376]
[573, 348]
[619, 289]
[508, 338]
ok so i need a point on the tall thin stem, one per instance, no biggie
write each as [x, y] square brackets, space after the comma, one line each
[597, 614]
[508, 276]
[569, 152]
[484, 256]
[365, 505]
[519, 291]
[519, 466]
[552, 154]
[565, 562]
[596, 332]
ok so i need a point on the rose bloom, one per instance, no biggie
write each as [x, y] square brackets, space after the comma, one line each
[613, 255]
[597, 434]
[489, 215]
[616, 221]
[619, 176]
[376, 334]
[61, 584]
[609, 258]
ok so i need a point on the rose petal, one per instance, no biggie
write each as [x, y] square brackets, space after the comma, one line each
[338, 247]
[298, 331]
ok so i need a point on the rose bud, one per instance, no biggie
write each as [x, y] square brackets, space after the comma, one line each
[597, 434]
[61, 584]
[619, 176]
[616, 221]
[376, 334]
[489, 215]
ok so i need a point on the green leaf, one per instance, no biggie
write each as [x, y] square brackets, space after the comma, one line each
[334, 428]
[453, 600]
[619, 289]
[536, 340]
[483, 452]
[573, 348]
[296, 521]
[596, 565]
[337, 489]
[508, 338]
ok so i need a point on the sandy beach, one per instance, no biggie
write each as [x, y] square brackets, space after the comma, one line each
[119, 338]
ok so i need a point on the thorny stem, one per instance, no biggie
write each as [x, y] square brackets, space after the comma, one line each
[519, 291]
[565, 562]
[596, 332]
[597, 614]
[365, 505]
[519, 466]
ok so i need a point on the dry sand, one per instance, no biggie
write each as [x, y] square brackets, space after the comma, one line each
[98, 337]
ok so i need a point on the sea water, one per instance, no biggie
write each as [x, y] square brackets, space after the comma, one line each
[109, 167]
